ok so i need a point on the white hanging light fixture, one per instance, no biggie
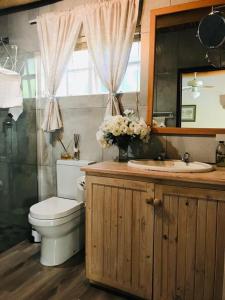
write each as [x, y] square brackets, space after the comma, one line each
[195, 92]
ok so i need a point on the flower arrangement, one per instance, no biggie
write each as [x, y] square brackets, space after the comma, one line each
[121, 130]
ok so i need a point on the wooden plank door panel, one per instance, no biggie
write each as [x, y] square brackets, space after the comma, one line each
[119, 234]
[188, 244]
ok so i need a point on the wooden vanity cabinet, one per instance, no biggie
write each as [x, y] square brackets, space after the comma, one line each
[158, 242]
[189, 243]
[119, 234]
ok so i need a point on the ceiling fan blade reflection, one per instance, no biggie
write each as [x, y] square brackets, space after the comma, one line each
[208, 86]
[185, 88]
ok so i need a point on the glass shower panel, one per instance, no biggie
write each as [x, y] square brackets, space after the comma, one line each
[18, 174]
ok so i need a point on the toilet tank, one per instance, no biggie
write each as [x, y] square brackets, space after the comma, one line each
[68, 171]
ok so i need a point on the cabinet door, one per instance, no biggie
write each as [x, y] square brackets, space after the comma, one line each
[189, 240]
[119, 234]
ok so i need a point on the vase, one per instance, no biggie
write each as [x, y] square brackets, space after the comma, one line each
[66, 155]
[123, 154]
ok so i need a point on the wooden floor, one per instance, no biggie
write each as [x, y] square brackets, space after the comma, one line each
[22, 277]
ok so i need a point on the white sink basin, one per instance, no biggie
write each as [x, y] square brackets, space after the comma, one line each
[174, 166]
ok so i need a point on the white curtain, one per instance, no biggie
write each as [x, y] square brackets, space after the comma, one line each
[58, 33]
[109, 27]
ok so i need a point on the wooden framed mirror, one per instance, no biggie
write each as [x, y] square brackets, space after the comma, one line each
[185, 91]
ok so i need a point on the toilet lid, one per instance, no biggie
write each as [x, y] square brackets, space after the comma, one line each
[54, 208]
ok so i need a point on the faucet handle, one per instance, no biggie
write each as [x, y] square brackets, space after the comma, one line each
[186, 157]
[161, 156]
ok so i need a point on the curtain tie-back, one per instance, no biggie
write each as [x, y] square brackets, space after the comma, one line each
[113, 107]
[52, 98]
[112, 97]
[52, 119]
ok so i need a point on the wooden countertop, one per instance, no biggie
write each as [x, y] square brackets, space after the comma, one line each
[216, 177]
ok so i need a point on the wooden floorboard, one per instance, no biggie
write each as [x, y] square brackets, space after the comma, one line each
[22, 277]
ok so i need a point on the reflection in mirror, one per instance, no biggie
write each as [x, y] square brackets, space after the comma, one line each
[211, 30]
[202, 99]
[181, 62]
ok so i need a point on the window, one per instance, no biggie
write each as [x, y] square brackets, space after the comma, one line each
[80, 77]
[131, 81]
[29, 78]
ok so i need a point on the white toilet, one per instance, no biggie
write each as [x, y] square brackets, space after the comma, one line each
[60, 220]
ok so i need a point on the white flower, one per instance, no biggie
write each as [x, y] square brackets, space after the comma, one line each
[128, 112]
[99, 135]
[131, 126]
[126, 120]
[127, 125]
[116, 131]
[137, 129]
[101, 139]
[123, 128]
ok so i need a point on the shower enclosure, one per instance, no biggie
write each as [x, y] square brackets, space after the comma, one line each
[18, 174]
[18, 151]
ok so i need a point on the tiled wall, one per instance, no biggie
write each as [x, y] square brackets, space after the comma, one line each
[84, 114]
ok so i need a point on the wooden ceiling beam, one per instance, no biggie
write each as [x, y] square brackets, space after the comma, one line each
[12, 6]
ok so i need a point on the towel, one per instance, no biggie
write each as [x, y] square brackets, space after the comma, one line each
[16, 112]
[10, 90]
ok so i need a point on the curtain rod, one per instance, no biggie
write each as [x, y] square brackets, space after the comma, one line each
[34, 21]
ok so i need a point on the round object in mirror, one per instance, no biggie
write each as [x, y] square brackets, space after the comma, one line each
[211, 30]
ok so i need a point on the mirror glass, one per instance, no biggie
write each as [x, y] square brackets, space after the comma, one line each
[189, 79]
[202, 99]
[211, 30]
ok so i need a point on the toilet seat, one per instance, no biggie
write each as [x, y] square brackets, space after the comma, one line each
[54, 208]
[56, 222]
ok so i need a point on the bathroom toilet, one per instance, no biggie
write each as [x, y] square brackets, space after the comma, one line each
[60, 220]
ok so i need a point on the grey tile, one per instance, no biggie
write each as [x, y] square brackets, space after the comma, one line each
[151, 150]
[4, 26]
[4, 186]
[110, 153]
[166, 55]
[166, 98]
[21, 32]
[46, 182]
[77, 102]
[187, 45]
[24, 143]
[201, 148]
[85, 122]
[23, 186]
[44, 148]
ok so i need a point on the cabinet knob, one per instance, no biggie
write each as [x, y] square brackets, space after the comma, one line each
[150, 201]
[157, 202]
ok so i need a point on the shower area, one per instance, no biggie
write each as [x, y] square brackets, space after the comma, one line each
[18, 162]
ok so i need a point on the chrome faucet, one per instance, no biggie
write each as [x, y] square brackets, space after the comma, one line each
[186, 157]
